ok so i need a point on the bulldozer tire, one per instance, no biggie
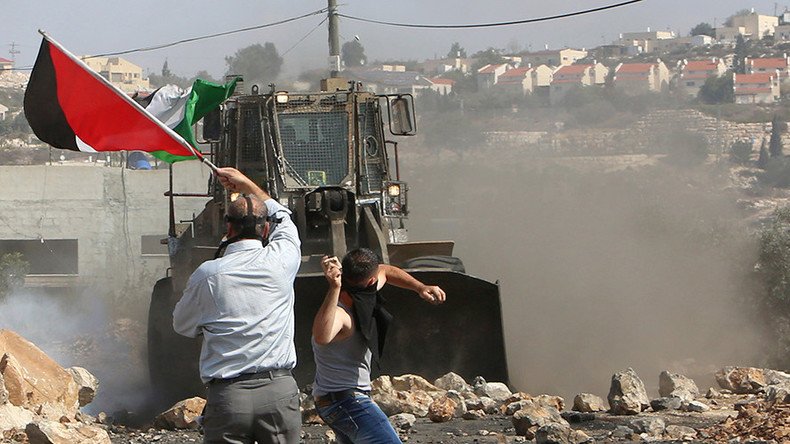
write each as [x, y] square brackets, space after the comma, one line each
[451, 263]
[172, 358]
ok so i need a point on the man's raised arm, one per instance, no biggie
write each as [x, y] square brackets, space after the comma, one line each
[402, 279]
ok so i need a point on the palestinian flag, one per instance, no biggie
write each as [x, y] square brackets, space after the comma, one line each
[70, 106]
[179, 109]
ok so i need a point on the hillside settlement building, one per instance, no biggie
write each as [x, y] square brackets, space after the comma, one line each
[122, 73]
[694, 73]
[756, 88]
[641, 78]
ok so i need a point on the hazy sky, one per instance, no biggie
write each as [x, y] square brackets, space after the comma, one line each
[98, 26]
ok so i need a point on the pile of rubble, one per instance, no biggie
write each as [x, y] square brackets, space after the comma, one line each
[40, 400]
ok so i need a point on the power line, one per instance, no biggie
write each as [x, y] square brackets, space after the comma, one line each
[304, 37]
[193, 39]
[491, 25]
[210, 36]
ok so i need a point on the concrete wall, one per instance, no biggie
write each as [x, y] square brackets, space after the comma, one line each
[107, 209]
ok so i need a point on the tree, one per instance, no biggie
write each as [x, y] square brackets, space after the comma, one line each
[741, 151]
[773, 269]
[490, 56]
[353, 53]
[456, 51]
[703, 29]
[742, 47]
[717, 90]
[256, 63]
[204, 75]
[13, 269]
[166, 74]
[775, 146]
[762, 161]
[730, 19]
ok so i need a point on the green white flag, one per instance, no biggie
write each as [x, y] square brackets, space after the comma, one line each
[180, 109]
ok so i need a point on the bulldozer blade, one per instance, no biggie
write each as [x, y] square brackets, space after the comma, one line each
[464, 335]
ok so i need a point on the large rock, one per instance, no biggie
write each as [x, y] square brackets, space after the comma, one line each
[460, 403]
[588, 403]
[653, 426]
[680, 433]
[402, 421]
[676, 385]
[409, 383]
[13, 418]
[483, 403]
[87, 383]
[34, 381]
[380, 385]
[497, 391]
[749, 380]
[182, 416]
[778, 393]
[558, 402]
[695, 406]
[666, 403]
[527, 420]
[555, 433]
[415, 402]
[442, 410]
[50, 432]
[452, 381]
[627, 395]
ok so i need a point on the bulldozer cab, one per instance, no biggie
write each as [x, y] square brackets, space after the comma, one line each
[325, 155]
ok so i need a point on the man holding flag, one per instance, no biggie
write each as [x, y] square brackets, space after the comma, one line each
[241, 303]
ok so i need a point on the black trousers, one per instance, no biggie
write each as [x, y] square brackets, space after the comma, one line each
[263, 410]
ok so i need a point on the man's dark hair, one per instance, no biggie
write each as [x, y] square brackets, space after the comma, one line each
[237, 210]
[360, 264]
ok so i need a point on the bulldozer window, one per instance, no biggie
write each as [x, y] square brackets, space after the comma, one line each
[315, 145]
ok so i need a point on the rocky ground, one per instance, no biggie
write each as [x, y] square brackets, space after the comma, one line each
[40, 403]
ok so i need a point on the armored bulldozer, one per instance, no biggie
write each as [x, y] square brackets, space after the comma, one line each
[325, 156]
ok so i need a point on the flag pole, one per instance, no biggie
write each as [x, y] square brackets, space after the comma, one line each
[131, 102]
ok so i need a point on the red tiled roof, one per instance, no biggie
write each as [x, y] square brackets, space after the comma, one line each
[518, 72]
[2, 60]
[753, 78]
[635, 67]
[751, 90]
[701, 65]
[768, 63]
[441, 81]
[488, 69]
[572, 69]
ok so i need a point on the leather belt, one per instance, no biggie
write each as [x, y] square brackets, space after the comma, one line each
[266, 374]
[333, 397]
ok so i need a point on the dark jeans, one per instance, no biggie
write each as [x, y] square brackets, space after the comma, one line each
[358, 420]
[263, 410]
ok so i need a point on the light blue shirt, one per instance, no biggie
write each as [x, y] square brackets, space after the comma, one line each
[242, 304]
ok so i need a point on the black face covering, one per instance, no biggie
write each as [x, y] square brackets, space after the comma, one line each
[371, 317]
[248, 223]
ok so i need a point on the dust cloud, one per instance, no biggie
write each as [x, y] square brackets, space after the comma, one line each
[77, 328]
[646, 266]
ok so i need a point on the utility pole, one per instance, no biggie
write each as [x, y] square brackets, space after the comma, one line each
[13, 51]
[334, 39]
